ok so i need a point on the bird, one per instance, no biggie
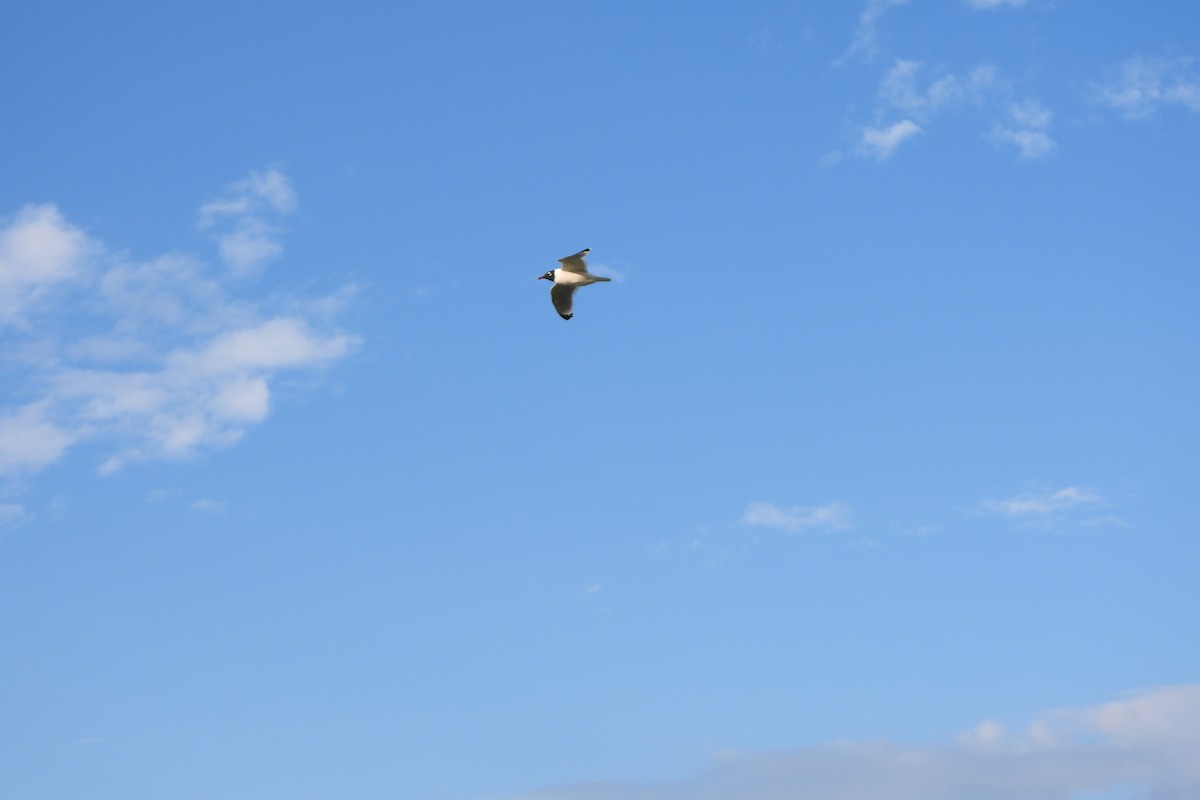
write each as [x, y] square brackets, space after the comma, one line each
[567, 278]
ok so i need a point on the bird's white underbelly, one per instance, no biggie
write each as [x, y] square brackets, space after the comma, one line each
[565, 278]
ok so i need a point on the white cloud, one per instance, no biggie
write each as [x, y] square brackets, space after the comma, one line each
[168, 291]
[1167, 719]
[29, 440]
[1139, 747]
[277, 343]
[200, 395]
[241, 221]
[11, 514]
[1026, 129]
[987, 733]
[243, 399]
[995, 3]
[270, 189]
[881, 143]
[147, 359]
[39, 250]
[900, 89]
[1030, 114]
[980, 91]
[829, 517]
[1040, 503]
[1029, 143]
[1142, 85]
[866, 35]
[251, 243]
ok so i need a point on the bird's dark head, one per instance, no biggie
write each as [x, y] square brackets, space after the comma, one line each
[549, 276]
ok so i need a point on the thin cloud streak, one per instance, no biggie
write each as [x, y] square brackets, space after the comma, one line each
[985, 4]
[1142, 746]
[1042, 503]
[798, 519]
[882, 143]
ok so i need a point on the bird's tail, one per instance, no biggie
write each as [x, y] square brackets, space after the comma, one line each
[599, 279]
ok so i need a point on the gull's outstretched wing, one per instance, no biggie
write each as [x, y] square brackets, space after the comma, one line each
[576, 262]
[561, 297]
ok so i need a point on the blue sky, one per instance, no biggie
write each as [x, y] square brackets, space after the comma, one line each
[871, 472]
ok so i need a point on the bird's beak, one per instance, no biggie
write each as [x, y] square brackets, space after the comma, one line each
[542, 278]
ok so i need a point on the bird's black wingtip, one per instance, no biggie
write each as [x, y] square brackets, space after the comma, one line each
[566, 316]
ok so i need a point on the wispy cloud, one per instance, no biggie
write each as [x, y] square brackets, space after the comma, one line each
[1040, 503]
[982, 4]
[798, 519]
[921, 95]
[245, 220]
[1026, 129]
[590, 591]
[881, 143]
[901, 88]
[29, 439]
[11, 514]
[1030, 143]
[1142, 85]
[154, 359]
[865, 43]
[1142, 746]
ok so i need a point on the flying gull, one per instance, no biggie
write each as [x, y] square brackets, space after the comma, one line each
[567, 278]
